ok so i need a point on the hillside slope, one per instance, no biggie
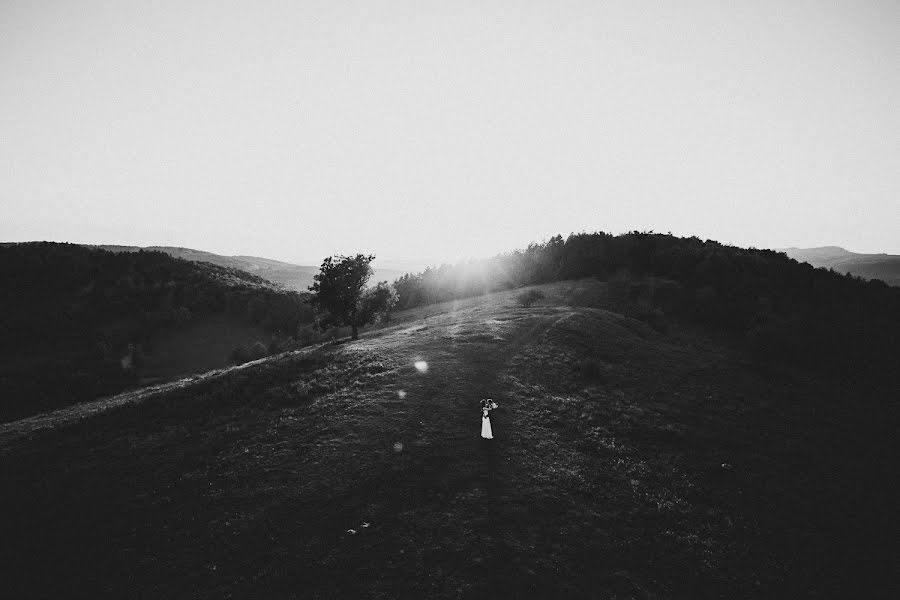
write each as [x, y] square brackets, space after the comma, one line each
[627, 463]
[78, 323]
[787, 313]
[885, 267]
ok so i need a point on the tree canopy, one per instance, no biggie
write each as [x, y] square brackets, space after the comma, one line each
[786, 311]
[339, 290]
[77, 322]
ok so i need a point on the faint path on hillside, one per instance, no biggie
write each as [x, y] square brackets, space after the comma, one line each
[444, 468]
[482, 369]
[468, 353]
[68, 415]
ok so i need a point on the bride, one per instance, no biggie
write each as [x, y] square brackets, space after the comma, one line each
[487, 405]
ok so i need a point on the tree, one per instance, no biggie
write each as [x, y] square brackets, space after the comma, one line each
[339, 289]
[380, 300]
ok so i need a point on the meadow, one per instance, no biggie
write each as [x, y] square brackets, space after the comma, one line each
[628, 462]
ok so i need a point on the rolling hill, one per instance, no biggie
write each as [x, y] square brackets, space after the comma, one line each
[80, 322]
[885, 267]
[678, 419]
[291, 276]
[627, 463]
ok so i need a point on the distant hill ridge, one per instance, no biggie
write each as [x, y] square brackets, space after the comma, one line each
[288, 275]
[885, 267]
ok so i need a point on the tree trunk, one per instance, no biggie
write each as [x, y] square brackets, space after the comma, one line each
[355, 332]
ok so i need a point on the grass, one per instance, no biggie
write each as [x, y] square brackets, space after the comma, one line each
[202, 345]
[627, 463]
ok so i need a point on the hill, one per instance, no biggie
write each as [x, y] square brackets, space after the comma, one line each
[784, 311]
[627, 463]
[291, 276]
[81, 322]
[885, 267]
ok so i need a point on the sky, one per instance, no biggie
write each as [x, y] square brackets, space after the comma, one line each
[410, 129]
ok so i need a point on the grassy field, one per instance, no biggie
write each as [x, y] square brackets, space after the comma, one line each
[627, 463]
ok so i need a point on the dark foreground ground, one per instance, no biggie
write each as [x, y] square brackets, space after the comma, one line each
[627, 463]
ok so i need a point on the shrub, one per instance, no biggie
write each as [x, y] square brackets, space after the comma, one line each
[244, 354]
[529, 297]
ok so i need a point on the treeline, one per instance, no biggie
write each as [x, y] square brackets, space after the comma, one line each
[77, 288]
[72, 316]
[787, 311]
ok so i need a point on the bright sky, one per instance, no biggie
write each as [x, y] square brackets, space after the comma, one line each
[298, 129]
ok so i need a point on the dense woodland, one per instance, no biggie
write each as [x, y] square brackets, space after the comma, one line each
[75, 318]
[784, 310]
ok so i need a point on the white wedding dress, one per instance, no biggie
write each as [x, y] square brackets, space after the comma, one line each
[486, 432]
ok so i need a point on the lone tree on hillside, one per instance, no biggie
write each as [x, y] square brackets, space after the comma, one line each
[339, 289]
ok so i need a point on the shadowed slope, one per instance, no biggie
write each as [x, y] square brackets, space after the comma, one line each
[79, 323]
[625, 463]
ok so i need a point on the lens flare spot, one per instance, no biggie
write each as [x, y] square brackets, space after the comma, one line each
[401, 394]
[422, 366]
[398, 446]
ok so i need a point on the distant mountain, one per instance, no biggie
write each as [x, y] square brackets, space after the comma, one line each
[288, 275]
[885, 267]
